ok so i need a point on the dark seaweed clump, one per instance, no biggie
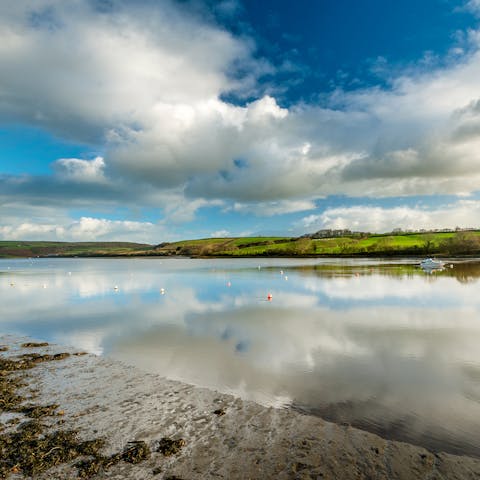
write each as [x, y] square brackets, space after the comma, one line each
[32, 448]
[11, 379]
[168, 447]
[134, 452]
[34, 344]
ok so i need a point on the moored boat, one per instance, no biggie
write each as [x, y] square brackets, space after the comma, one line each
[431, 264]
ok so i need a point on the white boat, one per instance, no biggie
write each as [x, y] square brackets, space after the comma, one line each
[431, 264]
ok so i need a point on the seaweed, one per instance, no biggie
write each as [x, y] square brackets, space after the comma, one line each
[9, 399]
[168, 447]
[31, 450]
[9, 384]
[37, 411]
[135, 452]
[32, 447]
[28, 361]
[89, 468]
[34, 344]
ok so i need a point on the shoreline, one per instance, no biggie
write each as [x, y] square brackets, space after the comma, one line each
[224, 436]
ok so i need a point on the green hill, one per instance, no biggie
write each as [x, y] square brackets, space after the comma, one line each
[358, 244]
[439, 243]
[69, 249]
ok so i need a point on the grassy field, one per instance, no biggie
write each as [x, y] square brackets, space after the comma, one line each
[9, 249]
[441, 243]
[422, 244]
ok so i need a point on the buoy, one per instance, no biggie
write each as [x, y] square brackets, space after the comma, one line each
[69, 273]
[286, 278]
[259, 267]
[44, 285]
[115, 287]
[162, 291]
[281, 272]
[229, 284]
[12, 284]
[269, 297]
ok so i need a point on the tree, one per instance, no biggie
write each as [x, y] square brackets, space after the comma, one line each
[428, 243]
[461, 242]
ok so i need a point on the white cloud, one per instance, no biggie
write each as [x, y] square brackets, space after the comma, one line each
[146, 81]
[267, 209]
[69, 67]
[473, 6]
[80, 170]
[220, 234]
[31, 231]
[464, 213]
[179, 209]
[86, 228]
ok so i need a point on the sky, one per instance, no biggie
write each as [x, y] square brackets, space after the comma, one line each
[153, 121]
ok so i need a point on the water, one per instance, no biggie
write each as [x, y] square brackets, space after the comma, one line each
[380, 345]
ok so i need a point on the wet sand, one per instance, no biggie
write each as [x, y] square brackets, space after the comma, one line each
[243, 440]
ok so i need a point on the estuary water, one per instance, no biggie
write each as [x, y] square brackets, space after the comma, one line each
[377, 344]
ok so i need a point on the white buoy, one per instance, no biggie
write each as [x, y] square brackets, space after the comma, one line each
[115, 287]
[281, 272]
[162, 291]
[69, 273]
[286, 278]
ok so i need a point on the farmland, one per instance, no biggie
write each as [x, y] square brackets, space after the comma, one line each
[438, 243]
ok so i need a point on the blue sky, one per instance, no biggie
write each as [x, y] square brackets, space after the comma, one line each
[154, 121]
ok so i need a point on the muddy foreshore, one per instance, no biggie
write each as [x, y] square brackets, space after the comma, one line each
[126, 424]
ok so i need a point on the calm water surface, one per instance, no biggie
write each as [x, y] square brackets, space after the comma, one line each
[381, 345]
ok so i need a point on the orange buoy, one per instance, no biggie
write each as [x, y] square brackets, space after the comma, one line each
[269, 297]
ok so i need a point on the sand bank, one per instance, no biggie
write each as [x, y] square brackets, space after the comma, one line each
[223, 436]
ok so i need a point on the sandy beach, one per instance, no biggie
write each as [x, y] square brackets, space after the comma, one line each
[214, 435]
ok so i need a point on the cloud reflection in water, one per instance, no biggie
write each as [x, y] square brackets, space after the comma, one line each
[387, 348]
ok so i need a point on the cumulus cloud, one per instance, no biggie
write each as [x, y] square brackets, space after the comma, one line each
[146, 81]
[79, 170]
[267, 209]
[464, 213]
[80, 70]
[178, 210]
[86, 228]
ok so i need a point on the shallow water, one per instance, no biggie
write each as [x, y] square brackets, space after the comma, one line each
[380, 345]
